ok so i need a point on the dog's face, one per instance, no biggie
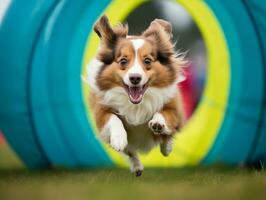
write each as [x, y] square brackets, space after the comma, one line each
[136, 62]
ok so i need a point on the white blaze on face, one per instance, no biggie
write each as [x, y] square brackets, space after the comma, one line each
[136, 68]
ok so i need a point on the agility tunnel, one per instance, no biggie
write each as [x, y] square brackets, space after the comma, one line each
[46, 45]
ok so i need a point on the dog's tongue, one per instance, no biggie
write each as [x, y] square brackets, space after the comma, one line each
[135, 94]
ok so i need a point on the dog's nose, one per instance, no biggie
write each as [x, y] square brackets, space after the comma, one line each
[135, 78]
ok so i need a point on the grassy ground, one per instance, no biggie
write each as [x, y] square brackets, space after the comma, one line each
[189, 183]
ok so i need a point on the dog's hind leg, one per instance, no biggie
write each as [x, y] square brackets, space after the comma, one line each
[166, 145]
[135, 164]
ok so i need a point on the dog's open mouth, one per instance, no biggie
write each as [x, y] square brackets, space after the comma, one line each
[135, 93]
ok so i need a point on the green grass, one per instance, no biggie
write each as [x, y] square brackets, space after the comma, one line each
[190, 183]
[207, 183]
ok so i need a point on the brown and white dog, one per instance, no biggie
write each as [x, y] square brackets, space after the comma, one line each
[134, 94]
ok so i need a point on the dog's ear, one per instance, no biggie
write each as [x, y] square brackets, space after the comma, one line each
[160, 31]
[159, 25]
[106, 34]
[166, 26]
[109, 37]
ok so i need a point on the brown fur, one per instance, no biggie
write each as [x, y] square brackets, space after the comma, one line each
[173, 113]
[101, 113]
[109, 38]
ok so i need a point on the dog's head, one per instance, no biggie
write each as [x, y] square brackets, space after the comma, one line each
[136, 62]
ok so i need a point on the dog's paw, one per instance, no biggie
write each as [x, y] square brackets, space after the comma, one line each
[118, 141]
[158, 124]
[137, 169]
[138, 173]
[157, 127]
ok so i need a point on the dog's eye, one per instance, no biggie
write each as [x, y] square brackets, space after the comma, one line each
[123, 62]
[147, 61]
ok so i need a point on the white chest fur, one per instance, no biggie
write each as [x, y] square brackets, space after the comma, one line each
[136, 114]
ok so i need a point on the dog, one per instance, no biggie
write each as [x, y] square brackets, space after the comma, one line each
[133, 89]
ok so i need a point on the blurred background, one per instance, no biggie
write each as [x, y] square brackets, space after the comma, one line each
[46, 122]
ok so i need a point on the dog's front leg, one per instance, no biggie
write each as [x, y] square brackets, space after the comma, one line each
[115, 131]
[110, 126]
[166, 123]
[159, 126]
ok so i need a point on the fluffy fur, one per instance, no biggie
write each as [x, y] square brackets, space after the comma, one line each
[134, 93]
